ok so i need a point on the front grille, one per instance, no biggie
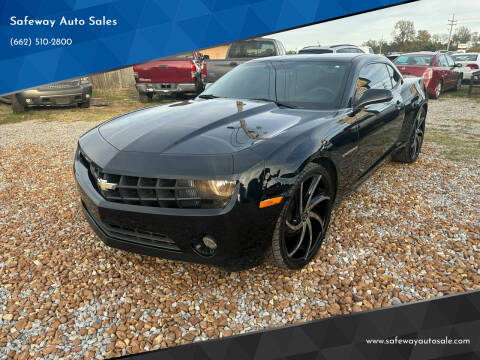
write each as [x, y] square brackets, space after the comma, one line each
[156, 192]
[61, 85]
[141, 237]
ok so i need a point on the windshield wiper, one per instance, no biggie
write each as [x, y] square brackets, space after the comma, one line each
[208, 96]
[277, 103]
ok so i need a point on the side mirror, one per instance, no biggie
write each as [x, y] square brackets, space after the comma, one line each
[457, 65]
[373, 96]
[207, 85]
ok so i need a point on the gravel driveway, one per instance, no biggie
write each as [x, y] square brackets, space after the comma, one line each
[410, 232]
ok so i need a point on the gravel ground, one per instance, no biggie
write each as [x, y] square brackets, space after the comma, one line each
[445, 114]
[410, 232]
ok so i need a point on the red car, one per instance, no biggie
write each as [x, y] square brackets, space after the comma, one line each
[438, 70]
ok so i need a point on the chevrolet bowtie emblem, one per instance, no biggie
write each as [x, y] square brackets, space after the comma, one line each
[104, 185]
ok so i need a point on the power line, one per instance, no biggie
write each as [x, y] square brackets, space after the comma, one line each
[451, 22]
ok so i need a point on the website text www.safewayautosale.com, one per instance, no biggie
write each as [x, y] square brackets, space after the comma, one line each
[419, 341]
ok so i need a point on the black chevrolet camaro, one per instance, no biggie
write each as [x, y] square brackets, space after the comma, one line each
[251, 168]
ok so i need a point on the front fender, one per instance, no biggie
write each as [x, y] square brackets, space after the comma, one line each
[326, 143]
[414, 94]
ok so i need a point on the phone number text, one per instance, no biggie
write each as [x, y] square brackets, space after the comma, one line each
[15, 42]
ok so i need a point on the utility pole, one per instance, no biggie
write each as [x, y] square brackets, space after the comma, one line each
[451, 23]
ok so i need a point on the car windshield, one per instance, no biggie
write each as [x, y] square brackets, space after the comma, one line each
[299, 84]
[465, 57]
[315, 51]
[423, 60]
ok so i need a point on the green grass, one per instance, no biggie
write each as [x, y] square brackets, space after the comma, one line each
[458, 142]
[463, 93]
[105, 105]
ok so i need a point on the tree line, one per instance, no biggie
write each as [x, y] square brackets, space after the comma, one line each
[407, 39]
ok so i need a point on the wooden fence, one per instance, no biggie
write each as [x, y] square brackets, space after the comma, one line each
[116, 79]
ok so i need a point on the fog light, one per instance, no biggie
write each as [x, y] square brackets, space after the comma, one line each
[209, 242]
[28, 101]
[87, 96]
[204, 245]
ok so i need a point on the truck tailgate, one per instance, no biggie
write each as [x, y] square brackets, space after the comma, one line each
[165, 71]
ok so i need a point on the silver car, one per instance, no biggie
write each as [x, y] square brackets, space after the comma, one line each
[470, 63]
[343, 48]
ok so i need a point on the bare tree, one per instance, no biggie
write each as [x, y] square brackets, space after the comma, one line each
[475, 39]
[404, 32]
[423, 36]
[462, 35]
[374, 45]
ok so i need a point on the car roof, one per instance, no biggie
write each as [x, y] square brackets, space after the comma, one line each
[316, 47]
[328, 46]
[340, 45]
[256, 39]
[343, 57]
[423, 53]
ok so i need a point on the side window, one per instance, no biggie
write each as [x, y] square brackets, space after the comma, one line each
[372, 76]
[442, 61]
[450, 61]
[394, 76]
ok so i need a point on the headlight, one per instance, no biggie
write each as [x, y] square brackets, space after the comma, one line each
[207, 194]
[215, 188]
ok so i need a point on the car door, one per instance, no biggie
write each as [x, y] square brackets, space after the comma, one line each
[377, 124]
[394, 127]
[444, 71]
[452, 72]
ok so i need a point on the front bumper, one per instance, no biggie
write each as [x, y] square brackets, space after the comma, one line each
[166, 88]
[58, 97]
[242, 230]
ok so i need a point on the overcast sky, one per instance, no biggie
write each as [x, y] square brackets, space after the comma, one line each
[431, 15]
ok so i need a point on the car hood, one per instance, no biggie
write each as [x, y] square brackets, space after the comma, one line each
[201, 127]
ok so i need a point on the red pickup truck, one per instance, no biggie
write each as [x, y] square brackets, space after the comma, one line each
[183, 73]
[438, 70]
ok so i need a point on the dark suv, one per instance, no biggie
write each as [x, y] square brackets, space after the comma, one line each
[63, 93]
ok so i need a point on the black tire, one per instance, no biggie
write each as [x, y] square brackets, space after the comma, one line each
[17, 106]
[438, 90]
[286, 250]
[409, 153]
[85, 104]
[145, 97]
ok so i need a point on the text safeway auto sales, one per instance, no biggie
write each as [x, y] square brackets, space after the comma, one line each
[64, 21]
